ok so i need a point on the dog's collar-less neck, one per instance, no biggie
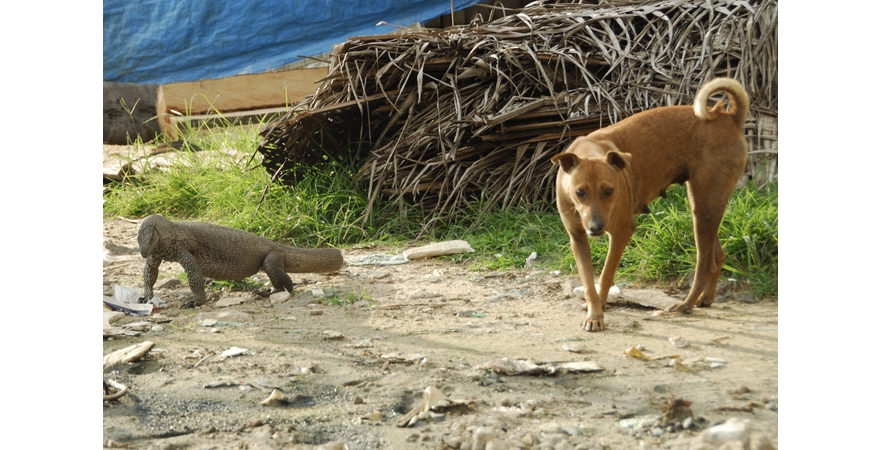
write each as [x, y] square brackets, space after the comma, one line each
[629, 187]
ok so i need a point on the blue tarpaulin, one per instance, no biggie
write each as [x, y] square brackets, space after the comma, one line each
[165, 41]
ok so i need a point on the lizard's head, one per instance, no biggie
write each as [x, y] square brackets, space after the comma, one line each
[147, 236]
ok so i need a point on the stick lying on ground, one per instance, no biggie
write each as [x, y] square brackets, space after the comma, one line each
[221, 253]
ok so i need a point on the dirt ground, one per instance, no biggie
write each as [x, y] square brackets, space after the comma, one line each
[351, 366]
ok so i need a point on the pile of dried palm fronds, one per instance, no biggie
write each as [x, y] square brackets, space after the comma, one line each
[442, 118]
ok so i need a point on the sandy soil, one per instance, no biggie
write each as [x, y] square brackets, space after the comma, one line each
[350, 367]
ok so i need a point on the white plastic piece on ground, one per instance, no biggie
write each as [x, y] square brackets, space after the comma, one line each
[234, 351]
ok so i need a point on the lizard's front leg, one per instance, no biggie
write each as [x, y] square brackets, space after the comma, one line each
[151, 272]
[196, 280]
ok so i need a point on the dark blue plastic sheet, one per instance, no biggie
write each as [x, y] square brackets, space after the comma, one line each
[165, 41]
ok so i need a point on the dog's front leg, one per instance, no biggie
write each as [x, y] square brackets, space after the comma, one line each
[618, 239]
[595, 320]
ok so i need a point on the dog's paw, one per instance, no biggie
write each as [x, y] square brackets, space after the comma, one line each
[680, 307]
[594, 324]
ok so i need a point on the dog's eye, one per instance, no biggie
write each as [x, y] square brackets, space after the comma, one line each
[580, 193]
[609, 191]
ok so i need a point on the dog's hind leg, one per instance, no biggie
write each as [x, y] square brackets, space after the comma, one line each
[708, 209]
[708, 294]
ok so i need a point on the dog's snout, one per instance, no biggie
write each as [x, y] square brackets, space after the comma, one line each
[595, 227]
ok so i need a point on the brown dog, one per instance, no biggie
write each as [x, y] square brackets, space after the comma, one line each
[610, 175]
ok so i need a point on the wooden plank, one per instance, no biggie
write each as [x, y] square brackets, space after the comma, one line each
[236, 94]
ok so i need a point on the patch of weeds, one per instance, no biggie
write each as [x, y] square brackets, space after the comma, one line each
[347, 298]
[247, 285]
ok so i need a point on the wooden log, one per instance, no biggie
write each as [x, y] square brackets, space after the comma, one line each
[237, 96]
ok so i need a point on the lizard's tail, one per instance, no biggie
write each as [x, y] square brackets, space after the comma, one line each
[737, 94]
[312, 260]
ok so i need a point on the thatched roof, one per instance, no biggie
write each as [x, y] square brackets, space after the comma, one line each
[441, 118]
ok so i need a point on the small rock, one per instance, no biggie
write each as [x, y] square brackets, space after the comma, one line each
[530, 261]
[679, 342]
[733, 445]
[570, 430]
[453, 442]
[331, 335]
[569, 286]
[378, 275]
[279, 297]
[375, 415]
[657, 431]
[335, 445]
[482, 435]
[171, 283]
[734, 429]
[358, 400]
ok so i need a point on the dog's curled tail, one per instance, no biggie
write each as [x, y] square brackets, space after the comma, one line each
[737, 94]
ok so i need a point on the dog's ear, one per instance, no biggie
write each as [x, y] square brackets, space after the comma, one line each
[618, 159]
[566, 160]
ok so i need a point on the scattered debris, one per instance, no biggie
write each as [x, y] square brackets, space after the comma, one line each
[717, 341]
[528, 367]
[234, 351]
[109, 386]
[577, 348]
[579, 366]
[126, 300]
[128, 354]
[398, 357]
[276, 398]
[678, 365]
[636, 353]
[433, 399]
[516, 367]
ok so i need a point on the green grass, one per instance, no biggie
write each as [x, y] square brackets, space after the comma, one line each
[326, 209]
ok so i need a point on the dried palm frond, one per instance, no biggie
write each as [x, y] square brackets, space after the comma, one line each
[442, 118]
